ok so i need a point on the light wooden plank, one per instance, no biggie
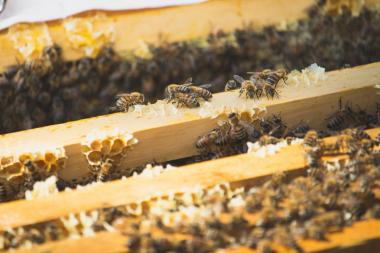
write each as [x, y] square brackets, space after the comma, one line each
[238, 170]
[158, 136]
[173, 23]
[363, 236]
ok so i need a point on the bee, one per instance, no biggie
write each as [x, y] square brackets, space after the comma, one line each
[299, 130]
[30, 175]
[311, 139]
[238, 133]
[337, 120]
[265, 83]
[347, 143]
[53, 53]
[283, 236]
[105, 60]
[357, 133]
[279, 128]
[200, 92]
[104, 170]
[248, 87]
[268, 140]
[313, 160]
[264, 246]
[272, 77]
[6, 190]
[374, 212]
[377, 140]
[267, 217]
[314, 230]
[172, 89]
[231, 85]
[125, 100]
[206, 141]
[187, 100]
[216, 139]
[133, 242]
[53, 232]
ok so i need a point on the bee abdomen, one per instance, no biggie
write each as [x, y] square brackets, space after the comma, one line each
[3, 192]
[238, 134]
[335, 123]
[273, 80]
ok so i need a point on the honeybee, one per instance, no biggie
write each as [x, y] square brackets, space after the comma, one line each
[266, 83]
[313, 159]
[6, 190]
[315, 230]
[125, 100]
[347, 143]
[283, 236]
[267, 140]
[105, 170]
[272, 77]
[172, 89]
[279, 128]
[53, 54]
[200, 92]
[267, 217]
[215, 139]
[237, 132]
[247, 86]
[299, 130]
[231, 85]
[188, 100]
[264, 246]
[311, 138]
[337, 120]
[206, 141]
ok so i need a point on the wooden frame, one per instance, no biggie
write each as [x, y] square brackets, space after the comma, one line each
[173, 24]
[364, 235]
[158, 136]
[247, 169]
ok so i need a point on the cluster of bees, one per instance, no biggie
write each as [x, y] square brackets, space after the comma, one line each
[279, 212]
[259, 83]
[185, 94]
[230, 137]
[52, 90]
[18, 174]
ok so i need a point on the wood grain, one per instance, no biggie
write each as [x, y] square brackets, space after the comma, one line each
[244, 169]
[172, 23]
[158, 136]
[363, 236]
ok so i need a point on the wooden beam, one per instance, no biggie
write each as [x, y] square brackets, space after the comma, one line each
[158, 136]
[363, 236]
[173, 24]
[247, 169]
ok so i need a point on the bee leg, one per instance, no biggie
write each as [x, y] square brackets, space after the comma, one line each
[241, 92]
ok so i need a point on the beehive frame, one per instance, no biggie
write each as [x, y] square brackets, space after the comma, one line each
[311, 103]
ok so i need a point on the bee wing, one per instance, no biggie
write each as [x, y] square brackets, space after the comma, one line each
[121, 95]
[188, 81]
[238, 78]
[206, 86]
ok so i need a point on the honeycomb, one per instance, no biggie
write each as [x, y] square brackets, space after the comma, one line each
[46, 163]
[30, 39]
[89, 34]
[100, 149]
